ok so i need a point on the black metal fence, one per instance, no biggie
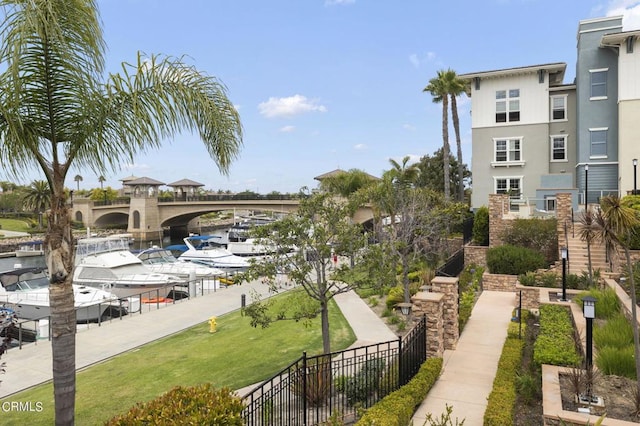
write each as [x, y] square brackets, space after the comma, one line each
[324, 388]
[453, 266]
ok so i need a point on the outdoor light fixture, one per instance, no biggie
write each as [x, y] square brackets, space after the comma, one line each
[405, 308]
[635, 176]
[564, 253]
[586, 185]
[589, 311]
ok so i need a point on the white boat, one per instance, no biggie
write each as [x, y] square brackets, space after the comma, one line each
[30, 248]
[26, 291]
[106, 262]
[208, 249]
[241, 244]
[163, 261]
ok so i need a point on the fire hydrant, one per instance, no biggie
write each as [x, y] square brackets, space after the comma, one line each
[212, 325]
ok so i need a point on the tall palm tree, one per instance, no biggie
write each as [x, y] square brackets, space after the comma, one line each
[615, 224]
[78, 179]
[456, 87]
[38, 198]
[56, 111]
[439, 91]
[403, 175]
[101, 179]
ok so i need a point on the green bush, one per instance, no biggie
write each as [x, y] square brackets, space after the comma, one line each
[358, 388]
[395, 296]
[502, 399]
[555, 344]
[398, 407]
[480, 231]
[618, 361]
[512, 260]
[616, 332]
[197, 405]
[536, 234]
[607, 302]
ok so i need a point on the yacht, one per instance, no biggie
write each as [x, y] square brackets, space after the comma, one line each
[163, 261]
[26, 291]
[208, 249]
[107, 262]
[241, 244]
[30, 248]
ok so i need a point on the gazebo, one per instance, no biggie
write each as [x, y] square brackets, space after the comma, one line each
[184, 189]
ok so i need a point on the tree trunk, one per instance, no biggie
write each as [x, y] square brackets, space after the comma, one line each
[445, 147]
[59, 255]
[456, 128]
[405, 280]
[324, 314]
[590, 265]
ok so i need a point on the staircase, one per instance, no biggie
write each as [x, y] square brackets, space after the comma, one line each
[578, 258]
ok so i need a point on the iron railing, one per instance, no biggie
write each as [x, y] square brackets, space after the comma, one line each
[453, 266]
[320, 389]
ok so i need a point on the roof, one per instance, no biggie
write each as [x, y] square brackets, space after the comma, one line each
[554, 69]
[618, 38]
[145, 181]
[185, 182]
[127, 179]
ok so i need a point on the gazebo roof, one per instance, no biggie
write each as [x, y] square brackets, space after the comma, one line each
[145, 181]
[186, 182]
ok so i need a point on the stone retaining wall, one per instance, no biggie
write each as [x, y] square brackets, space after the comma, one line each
[499, 282]
[475, 255]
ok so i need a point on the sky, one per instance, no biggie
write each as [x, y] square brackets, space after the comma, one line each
[327, 84]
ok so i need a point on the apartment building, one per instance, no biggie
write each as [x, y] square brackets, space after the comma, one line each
[534, 135]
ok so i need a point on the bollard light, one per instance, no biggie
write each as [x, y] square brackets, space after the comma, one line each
[564, 253]
[635, 175]
[586, 185]
[589, 311]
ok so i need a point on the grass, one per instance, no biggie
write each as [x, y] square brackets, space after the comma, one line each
[237, 355]
[15, 225]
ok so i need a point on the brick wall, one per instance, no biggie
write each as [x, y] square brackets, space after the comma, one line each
[475, 255]
[499, 282]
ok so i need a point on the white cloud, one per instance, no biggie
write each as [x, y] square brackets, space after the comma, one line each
[287, 107]
[360, 147]
[413, 158]
[629, 9]
[408, 126]
[338, 2]
[287, 129]
[417, 60]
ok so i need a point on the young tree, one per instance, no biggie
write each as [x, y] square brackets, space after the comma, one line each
[304, 245]
[587, 232]
[57, 112]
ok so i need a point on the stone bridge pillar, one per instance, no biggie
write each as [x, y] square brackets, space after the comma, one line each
[144, 219]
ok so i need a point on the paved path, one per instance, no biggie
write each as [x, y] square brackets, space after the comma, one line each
[469, 370]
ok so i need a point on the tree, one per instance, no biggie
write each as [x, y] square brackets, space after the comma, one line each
[587, 232]
[403, 175]
[438, 87]
[615, 223]
[456, 87]
[101, 179]
[322, 227]
[78, 179]
[57, 112]
[431, 173]
[347, 183]
[38, 198]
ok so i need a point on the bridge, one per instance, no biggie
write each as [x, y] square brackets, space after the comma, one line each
[146, 216]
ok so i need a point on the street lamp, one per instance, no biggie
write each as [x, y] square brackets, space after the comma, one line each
[564, 253]
[589, 310]
[405, 308]
[586, 185]
[635, 175]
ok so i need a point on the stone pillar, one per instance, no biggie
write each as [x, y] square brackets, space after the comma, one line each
[144, 219]
[448, 286]
[563, 215]
[432, 306]
[498, 207]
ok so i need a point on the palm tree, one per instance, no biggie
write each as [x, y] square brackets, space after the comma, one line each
[588, 233]
[615, 224]
[456, 87]
[38, 198]
[57, 112]
[403, 175]
[101, 179]
[439, 90]
[78, 179]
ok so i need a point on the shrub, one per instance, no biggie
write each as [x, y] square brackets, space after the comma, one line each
[607, 302]
[395, 296]
[555, 344]
[529, 279]
[512, 260]
[502, 399]
[358, 387]
[616, 332]
[397, 408]
[536, 234]
[618, 361]
[480, 231]
[200, 404]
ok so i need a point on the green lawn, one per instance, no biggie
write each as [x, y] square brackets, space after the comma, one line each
[236, 356]
[15, 225]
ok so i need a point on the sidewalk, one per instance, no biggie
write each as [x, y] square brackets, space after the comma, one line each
[469, 370]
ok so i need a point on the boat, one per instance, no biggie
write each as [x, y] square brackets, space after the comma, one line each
[107, 262]
[163, 261]
[241, 244]
[26, 291]
[209, 250]
[30, 248]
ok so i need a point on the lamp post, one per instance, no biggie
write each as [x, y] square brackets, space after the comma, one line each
[589, 310]
[586, 185]
[635, 176]
[564, 254]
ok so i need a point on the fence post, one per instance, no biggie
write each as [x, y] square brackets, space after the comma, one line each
[304, 388]
[400, 363]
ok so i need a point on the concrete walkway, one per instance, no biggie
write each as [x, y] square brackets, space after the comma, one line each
[469, 370]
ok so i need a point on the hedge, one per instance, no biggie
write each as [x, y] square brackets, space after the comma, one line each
[555, 344]
[398, 407]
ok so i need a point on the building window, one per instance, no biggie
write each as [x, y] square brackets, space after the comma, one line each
[508, 150]
[550, 204]
[507, 105]
[558, 108]
[598, 84]
[511, 186]
[559, 148]
[598, 138]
